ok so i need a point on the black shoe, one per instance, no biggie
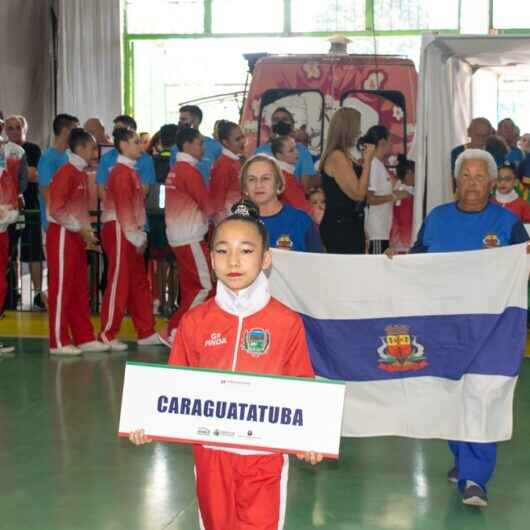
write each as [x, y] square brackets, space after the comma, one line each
[474, 495]
[38, 303]
[452, 476]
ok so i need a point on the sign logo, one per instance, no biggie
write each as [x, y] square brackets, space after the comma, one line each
[401, 352]
[491, 241]
[256, 342]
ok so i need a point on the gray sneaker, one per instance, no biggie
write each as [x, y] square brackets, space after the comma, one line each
[452, 476]
[474, 495]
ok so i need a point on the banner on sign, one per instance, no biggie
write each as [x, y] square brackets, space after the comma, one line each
[247, 411]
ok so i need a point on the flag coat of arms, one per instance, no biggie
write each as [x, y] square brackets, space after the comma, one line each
[430, 345]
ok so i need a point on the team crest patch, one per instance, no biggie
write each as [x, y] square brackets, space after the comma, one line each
[401, 352]
[284, 241]
[256, 342]
[491, 241]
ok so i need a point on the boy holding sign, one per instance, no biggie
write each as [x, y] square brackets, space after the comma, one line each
[242, 329]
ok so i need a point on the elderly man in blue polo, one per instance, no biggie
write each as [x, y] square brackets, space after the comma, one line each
[472, 222]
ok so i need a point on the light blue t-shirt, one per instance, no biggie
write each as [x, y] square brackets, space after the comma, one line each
[50, 162]
[305, 164]
[212, 151]
[144, 166]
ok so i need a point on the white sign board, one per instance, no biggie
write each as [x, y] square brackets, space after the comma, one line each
[215, 408]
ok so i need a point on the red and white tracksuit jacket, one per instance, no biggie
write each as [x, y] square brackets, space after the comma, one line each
[67, 211]
[9, 202]
[225, 184]
[293, 193]
[242, 490]
[123, 238]
[187, 209]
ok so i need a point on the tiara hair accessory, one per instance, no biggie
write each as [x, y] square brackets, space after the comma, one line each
[242, 210]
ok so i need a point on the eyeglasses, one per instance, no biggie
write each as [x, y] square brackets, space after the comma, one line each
[478, 178]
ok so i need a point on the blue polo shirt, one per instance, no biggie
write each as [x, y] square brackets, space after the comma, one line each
[144, 166]
[50, 162]
[515, 156]
[212, 151]
[305, 164]
[293, 229]
[449, 229]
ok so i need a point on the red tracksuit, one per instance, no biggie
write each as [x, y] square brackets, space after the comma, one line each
[68, 205]
[187, 209]
[242, 490]
[122, 234]
[518, 206]
[225, 184]
[293, 193]
[9, 194]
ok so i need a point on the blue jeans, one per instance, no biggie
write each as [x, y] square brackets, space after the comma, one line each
[474, 461]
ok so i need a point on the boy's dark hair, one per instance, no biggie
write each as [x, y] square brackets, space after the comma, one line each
[403, 166]
[193, 110]
[278, 143]
[225, 128]
[63, 121]
[79, 137]
[373, 136]
[186, 136]
[121, 134]
[245, 210]
[168, 135]
[127, 120]
[285, 111]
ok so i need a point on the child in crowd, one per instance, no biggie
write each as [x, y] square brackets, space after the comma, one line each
[124, 242]
[225, 186]
[285, 152]
[69, 235]
[237, 489]
[381, 194]
[505, 193]
[401, 232]
[317, 200]
[145, 140]
[289, 228]
[12, 184]
[187, 210]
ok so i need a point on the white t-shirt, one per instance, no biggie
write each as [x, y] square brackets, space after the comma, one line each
[379, 217]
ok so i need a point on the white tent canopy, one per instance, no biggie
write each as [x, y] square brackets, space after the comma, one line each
[445, 105]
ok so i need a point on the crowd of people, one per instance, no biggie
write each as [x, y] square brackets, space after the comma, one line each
[222, 211]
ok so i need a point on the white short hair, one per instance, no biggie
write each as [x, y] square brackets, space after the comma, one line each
[477, 154]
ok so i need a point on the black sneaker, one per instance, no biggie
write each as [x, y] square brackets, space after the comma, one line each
[474, 495]
[452, 476]
[38, 303]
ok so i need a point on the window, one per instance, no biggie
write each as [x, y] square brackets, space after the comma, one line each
[307, 108]
[247, 16]
[327, 15]
[381, 107]
[164, 16]
[511, 14]
[416, 14]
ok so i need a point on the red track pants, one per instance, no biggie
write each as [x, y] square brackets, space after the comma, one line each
[127, 286]
[240, 492]
[4, 263]
[195, 278]
[68, 305]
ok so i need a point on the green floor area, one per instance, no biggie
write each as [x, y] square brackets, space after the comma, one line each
[62, 467]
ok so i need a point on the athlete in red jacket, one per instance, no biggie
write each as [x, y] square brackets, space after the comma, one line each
[242, 329]
[286, 154]
[225, 184]
[188, 207]
[69, 234]
[124, 242]
[13, 179]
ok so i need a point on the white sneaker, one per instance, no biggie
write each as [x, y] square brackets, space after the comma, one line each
[152, 340]
[117, 345]
[66, 350]
[6, 349]
[94, 346]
